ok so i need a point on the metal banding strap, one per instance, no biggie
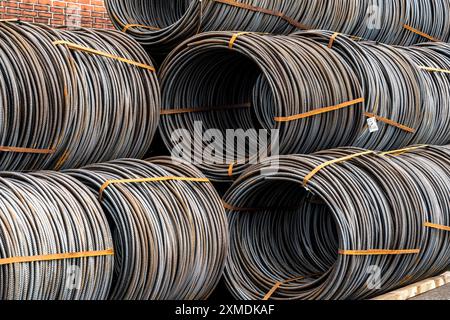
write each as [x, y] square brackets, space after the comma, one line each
[77, 47]
[146, 180]
[55, 257]
[320, 111]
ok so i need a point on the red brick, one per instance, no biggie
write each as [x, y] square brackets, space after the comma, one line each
[90, 13]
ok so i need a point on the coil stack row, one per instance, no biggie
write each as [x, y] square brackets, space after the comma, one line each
[338, 165]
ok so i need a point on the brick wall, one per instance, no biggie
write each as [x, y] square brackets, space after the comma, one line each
[85, 13]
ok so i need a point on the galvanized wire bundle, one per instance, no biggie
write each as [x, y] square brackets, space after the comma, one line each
[169, 228]
[260, 84]
[47, 214]
[161, 25]
[362, 225]
[70, 98]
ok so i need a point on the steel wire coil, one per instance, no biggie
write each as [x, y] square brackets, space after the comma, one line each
[430, 171]
[435, 89]
[393, 89]
[171, 22]
[229, 81]
[51, 213]
[266, 77]
[79, 107]
[161, 25]
[398, 87]
[171, 238]
[287, 240]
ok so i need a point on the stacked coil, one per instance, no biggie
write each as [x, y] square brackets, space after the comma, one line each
[395, 90]
[433, 59]
[169, 228]
[363, 224]
[269, 80]
[55, 241]
[271, 84]
[70, 98]
[161, 25]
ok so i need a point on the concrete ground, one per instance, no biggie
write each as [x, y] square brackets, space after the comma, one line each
[442, 293]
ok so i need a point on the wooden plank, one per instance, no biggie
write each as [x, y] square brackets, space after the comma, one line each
[417, 289]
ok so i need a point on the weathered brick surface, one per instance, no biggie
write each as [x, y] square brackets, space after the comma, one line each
[85, 13]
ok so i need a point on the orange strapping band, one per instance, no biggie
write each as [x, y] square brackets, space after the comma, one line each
[332, 39]
[420, 33]
[433, 69]
[144, 180]
[390, 122]
[235, 37]
[207, 109]
[278, 285]
[436, 226]
[278, 14]
[77, 47]
[328, 163]
[231, 168]
[402, 151]
[129, 26]
[378, 252]
[54, 257]
[27, 150]
[320, 111]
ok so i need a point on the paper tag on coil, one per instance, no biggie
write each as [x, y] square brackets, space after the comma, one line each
[373, 125]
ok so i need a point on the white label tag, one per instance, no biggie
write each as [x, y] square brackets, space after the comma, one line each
[373, 125]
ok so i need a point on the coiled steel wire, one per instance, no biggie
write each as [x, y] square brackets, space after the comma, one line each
[247, 88]
[393, 87]
[398, 87]
[161, 25]
[435, 90]
[235, 81]
[429, 168]
[171, 237]
[51, 213]
[75, 107]
[287, 241]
